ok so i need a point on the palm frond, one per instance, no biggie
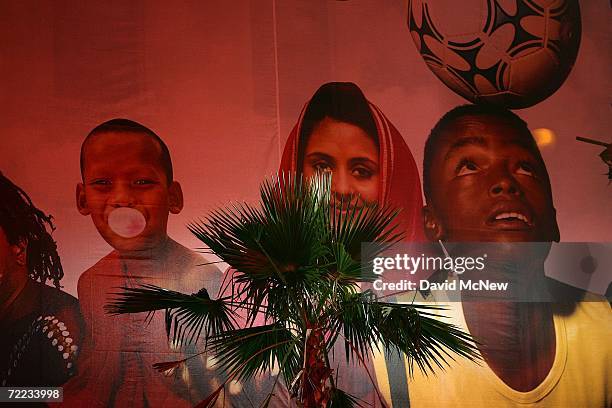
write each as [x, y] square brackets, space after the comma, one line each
[349, 268]
[368, 223]
[342, 399]
[362, 360]
[287, 227]
[187, 316]
[167, 367]
[404, 329]
[211, 400]
[422, 336]
[353, 315]
[243, 353]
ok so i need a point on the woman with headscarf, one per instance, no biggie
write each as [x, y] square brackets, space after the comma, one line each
[341, 132]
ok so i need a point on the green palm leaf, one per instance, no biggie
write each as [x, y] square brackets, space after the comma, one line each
[342, 399]
[187, 316]
[283, 235]
[419, 334]
[244, 353]
[353, 317]
[405, 329]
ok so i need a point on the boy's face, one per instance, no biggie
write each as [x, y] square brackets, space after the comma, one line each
[489, 184]
[123, 170]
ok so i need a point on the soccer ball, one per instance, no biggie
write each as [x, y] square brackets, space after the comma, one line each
[512, 53]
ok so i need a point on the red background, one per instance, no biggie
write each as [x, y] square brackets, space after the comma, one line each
[223, 83]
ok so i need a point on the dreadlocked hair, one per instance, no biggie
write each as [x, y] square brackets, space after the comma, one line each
[21, 221]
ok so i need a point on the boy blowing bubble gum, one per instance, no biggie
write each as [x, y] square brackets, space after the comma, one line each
[128, 189]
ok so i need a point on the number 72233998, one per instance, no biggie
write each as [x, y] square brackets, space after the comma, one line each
[29, 394]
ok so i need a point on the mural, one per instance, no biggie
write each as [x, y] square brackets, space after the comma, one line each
[125, 122]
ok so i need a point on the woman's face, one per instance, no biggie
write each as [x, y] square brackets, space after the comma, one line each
[347, 152]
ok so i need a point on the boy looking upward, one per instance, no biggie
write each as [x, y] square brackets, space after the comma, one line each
[485, 181]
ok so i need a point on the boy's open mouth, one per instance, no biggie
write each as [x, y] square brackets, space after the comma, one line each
[510, 219]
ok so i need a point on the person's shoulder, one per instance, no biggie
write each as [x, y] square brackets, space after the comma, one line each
[183, 253]
[62, 306]
[191, 259]
[598, 305]
[197, 272]
[582, 307]
[101, 266]
[61, 327]
[569, 300]
[561, 292]
[588, 327]
[57, 297]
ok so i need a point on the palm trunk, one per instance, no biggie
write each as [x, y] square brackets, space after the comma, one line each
[315, 386]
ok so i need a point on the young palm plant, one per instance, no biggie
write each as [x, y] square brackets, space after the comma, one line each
[294, 291]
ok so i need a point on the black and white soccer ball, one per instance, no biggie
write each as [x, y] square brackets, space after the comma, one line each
[512, 53]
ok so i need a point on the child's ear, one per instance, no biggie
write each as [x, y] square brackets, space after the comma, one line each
[175, 197]
[434, 230]
[81, 201]
[20, 252]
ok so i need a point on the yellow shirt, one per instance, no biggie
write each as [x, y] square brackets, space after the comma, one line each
[581, 374]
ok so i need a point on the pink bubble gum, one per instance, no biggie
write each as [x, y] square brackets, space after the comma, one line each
[126, 222]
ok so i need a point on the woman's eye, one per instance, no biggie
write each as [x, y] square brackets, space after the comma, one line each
[362, 172]
[322, 167]
[525, 169]
[466, 167]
